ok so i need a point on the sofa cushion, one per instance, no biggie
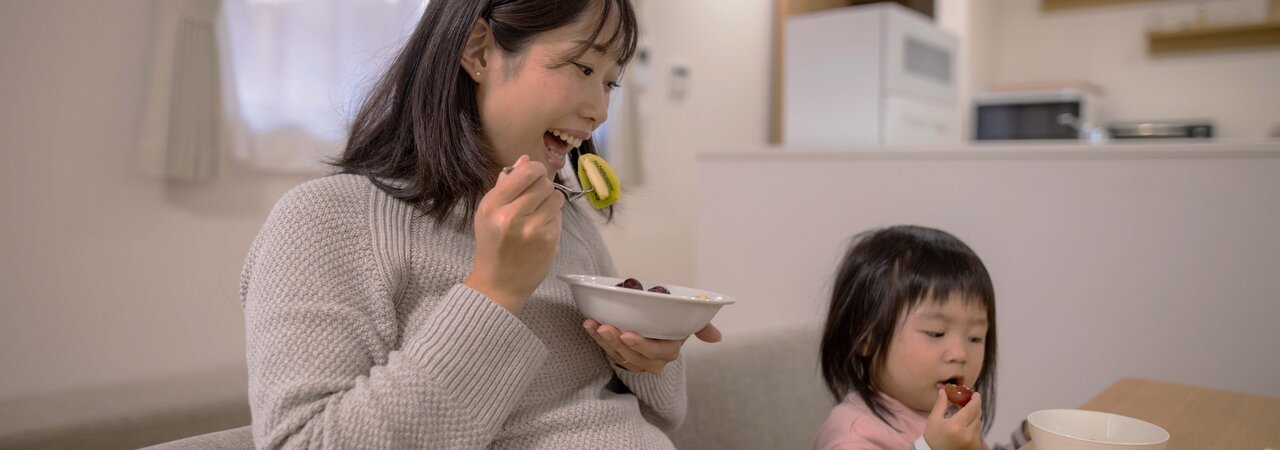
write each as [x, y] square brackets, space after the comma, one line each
[758, 389]
[233, 439]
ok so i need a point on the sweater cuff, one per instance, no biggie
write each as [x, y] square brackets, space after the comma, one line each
[477, 350]
[658, 390]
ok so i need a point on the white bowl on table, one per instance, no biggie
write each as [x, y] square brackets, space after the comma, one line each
[650, 314]
[1072, 429]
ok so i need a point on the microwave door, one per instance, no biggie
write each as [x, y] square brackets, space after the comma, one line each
[1025, 121]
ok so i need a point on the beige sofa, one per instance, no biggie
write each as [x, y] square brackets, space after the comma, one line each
[758, 389]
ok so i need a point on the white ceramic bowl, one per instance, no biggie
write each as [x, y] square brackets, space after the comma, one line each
[649, 314]
[1072, 429]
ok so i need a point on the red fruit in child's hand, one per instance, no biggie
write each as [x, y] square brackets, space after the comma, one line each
[631, 283]
[659, 289]
[959, 395]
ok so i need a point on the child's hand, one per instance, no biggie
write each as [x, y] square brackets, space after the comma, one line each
[963, 430]
[517, 228]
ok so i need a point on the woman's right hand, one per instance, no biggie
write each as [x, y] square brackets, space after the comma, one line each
[517, 226]
[963, 430]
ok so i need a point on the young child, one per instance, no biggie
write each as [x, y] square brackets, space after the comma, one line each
[912, 310]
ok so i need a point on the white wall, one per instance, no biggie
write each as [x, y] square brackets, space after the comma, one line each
[972, 22]
[1129, 261]
[105, 276]
[1107, 45]
[727, 46]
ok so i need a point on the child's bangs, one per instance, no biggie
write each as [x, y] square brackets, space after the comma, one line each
[942, 276]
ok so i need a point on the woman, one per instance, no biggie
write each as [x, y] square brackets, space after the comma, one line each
[410, 301]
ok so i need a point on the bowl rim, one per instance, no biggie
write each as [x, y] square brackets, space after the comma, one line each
[1033, 423]
[583, 280]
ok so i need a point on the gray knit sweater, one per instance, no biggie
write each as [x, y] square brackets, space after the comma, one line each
[360, 334]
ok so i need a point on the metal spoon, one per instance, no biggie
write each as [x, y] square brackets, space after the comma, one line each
[570, 194]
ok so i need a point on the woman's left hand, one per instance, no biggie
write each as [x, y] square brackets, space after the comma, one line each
[640, 354]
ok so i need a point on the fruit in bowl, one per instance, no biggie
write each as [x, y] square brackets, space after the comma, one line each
[675, 314]
[632, 283]
[1070, 429]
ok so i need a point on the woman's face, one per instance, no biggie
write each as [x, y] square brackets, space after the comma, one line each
[528, 106]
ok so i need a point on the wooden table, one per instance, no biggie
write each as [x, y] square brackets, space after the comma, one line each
[1195, 417]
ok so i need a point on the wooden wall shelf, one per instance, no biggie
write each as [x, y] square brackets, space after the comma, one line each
[1215, 38]
[1050, 5]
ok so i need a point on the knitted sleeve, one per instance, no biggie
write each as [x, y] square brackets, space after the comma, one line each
[326, 369]
[662, 397]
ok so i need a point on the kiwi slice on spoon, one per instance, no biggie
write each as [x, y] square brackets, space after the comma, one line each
[595, 175]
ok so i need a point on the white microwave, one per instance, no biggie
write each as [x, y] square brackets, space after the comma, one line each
[868, 75]
[1035, 114]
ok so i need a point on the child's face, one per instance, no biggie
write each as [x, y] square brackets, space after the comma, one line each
[522, 100]
[934, 343]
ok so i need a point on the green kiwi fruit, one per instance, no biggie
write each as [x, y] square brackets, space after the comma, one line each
[594, 172]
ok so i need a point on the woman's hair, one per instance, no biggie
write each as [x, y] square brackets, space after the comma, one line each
[420, 123]
[884, 275]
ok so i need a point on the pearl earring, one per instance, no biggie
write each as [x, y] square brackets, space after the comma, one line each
[477, 73]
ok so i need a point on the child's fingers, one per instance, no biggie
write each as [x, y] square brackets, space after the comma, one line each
[975, 427]
[971, 412]
[939, 407]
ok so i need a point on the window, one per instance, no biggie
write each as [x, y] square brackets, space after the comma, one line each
[293, 72]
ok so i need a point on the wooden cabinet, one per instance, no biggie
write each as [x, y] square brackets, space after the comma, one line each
[1226, 37]
[1264, 34]
[1049, 5]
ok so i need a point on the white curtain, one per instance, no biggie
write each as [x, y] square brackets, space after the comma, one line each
[179, 140]
[293, 72]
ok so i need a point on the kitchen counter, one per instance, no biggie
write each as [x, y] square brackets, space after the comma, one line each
[1018, 149]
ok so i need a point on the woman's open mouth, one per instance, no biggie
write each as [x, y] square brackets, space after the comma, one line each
[558, 145]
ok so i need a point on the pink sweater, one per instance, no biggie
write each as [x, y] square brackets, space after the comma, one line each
[851, 425]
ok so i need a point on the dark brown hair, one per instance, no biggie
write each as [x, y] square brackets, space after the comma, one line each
[885, 274]
[420, 124]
